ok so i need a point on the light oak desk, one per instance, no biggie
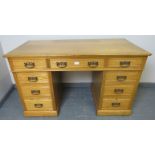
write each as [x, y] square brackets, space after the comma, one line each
[116, 65]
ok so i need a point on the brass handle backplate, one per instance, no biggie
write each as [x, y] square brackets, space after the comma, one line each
[116, 104]
[125, 64]
[35, 92]
[38, 105]
[93, 64]
[121, 78]
[33, 79]
[61, 64]
[29, 65]
[119, 91]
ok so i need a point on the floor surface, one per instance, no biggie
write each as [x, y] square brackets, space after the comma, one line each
[78, 105]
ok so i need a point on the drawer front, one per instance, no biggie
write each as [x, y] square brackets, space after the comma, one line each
[90, 64]
[32, 77]
[29, 64]
[39, 104]
[36, 91]
[118, 90]
[126, 63]
[121, 77]
[114, 103]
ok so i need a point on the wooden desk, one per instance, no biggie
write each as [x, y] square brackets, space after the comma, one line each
[116, 65]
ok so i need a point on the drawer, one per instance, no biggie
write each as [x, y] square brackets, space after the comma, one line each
[116, 103]
[29, 64]
[32, 77]
[121, 77]
[36, 91]
[125, 63]
[38, 104]
[88, 64]
[118, 90]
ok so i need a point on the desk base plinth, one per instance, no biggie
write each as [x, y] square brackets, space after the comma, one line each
[114, 112]
[40, 113]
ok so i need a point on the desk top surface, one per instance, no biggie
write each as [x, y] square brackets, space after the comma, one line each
[106, 47]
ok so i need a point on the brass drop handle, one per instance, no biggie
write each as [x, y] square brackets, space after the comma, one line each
[121, 78]
[116, 104]
[118, 91]
[61, 64]
[33, 79]
[93, 64]
[38, 105]
[35, 92]
[29, 65]
[125, 64]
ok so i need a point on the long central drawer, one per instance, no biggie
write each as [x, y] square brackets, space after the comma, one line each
[88, 64]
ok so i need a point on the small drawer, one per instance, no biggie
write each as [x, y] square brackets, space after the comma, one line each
[121, 77]
[82, 64]
[125, 63]
[39, 104]
[32, 77]
[28, 64]
[118, 90]
[36, 91]
[116, 103]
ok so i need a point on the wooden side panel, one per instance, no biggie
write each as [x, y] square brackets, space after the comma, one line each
[19, 90]
[97, 80]
[56, 89]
